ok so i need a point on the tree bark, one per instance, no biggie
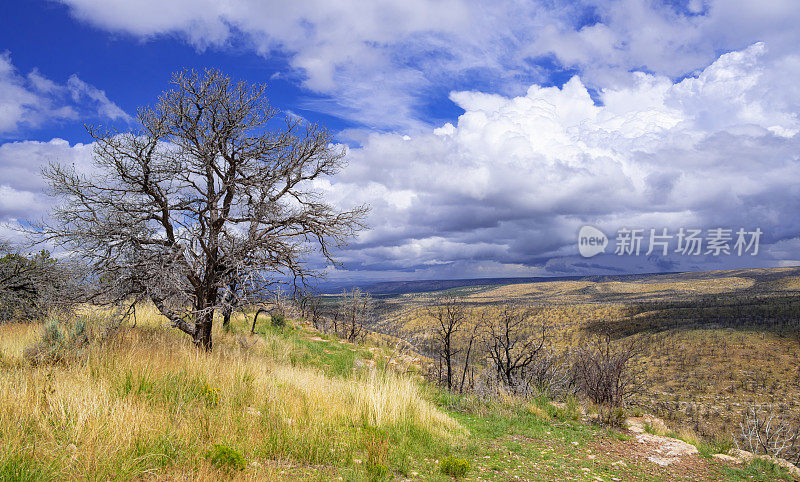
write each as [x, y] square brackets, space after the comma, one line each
[449, 360]
[202, 333]
[466, 363]
[226, 317]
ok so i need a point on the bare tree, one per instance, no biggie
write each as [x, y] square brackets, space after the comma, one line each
[448, 315]
[207, 190]
[308, 304]
[514, 341]
[472, 335]
[550, 374]
[230, 299]
[765, 431]
[355, 311]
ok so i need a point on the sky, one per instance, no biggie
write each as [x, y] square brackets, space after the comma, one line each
[484, 135]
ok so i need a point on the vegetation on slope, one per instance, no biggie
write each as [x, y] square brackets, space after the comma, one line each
[285, 403]
[149, 403]
[720, 342]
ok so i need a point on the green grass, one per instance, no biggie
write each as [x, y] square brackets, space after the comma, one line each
[336, 359]
[538, 440]
[509, 440]
[759, 470]
[19, 467]
[717, 445]
[170, 389]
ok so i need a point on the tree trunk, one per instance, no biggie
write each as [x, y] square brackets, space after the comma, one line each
[255, 319]
[449, 361]
[202, 334]
[466, 364]
[226, 317]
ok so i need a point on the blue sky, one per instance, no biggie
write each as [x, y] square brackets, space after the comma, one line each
[42, 35]
[483, 135]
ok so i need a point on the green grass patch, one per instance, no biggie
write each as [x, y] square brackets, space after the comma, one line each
[225, 458]
[759, 470]
[19, 467]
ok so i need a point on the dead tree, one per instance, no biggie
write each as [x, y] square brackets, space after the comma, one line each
[229, 301]
[514, 340]
[308, 304]
[206, 191]
[356, 310]
[447, 315]
[472, 336]
[765, 431]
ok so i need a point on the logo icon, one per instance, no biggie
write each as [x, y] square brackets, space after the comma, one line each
[591, 241]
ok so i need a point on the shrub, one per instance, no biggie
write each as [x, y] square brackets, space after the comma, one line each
[454, 467]
[605, 372]
[278, 320]
[63, 339]
[616, 417]
[572, 408]
[226, 458]
[765, 430]
[635, 411]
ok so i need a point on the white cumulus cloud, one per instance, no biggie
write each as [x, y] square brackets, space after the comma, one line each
[379, 62]
[512, 181]
[32, 99]
[23, 197]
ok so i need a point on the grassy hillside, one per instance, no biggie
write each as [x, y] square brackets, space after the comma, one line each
[286, 403]
[148, 403]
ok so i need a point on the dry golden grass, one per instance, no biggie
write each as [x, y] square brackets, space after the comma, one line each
[14, 337]
[150, 404]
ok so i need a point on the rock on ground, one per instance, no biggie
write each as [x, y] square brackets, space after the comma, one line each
[637, 424]
[727, 458]
[666, 450]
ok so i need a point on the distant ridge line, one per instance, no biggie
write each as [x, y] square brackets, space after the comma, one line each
[423, 286]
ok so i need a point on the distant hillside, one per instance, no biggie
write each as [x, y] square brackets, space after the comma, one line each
[423, 286]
